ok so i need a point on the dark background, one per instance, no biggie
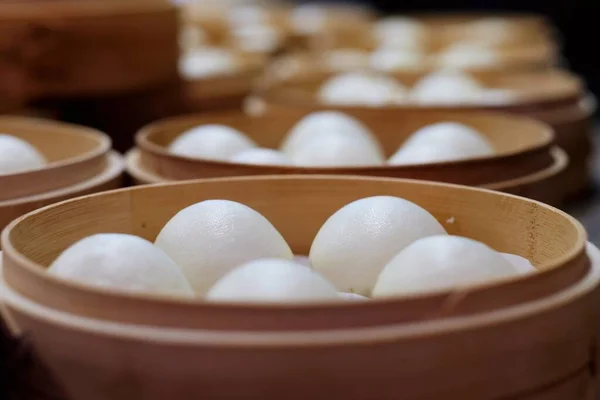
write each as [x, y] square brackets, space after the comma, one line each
[577, 20]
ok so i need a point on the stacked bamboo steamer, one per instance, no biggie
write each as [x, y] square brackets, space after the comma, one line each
[244, 36]
[554, 97]
[478, 342]
[248, 35]
[524, 53]
[492, 42]
[66, 52]
[79, 161]
[526, 161]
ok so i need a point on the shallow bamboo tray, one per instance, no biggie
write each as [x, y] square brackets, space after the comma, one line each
[493, 355]
[94, 47]
[109, 177]
[74, 154]
[552, 240]
[522, 145]
[555, 97]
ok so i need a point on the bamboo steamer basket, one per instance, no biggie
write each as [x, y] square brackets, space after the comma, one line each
[450, 27]
[529, 43]
[555, 97]
[109, 177]
[226, 91]
[533, 57]
[504, 357]
[539, 185]
[74, 154]
[72, 48]
[341, 24]
[522, 147]
[217, 23]
[494, 354]
[552, 240]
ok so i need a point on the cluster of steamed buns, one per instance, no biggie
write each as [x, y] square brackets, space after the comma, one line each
[17, 155]
[251, 29]
[332, 139]
[391, 59]
[224, 251]
[209, 61]
[444, 87]
[409, 33]
[402, 43]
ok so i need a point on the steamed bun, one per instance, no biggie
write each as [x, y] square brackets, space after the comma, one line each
[357, 241]
[361, 89]
[210, 238]
[441, 262]
[120, 261]
[272, 281]
[16, 155]
[441, 142]
[211, 142]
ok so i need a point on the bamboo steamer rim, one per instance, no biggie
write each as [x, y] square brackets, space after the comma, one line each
[337, 337]
[460, 16]
[146, 144]
[37, 270]
[144, 176]
[538, 52]
[104, 144]
[77, 9]
[452, 21]
[561, 161]
[114, 167]
[567, 88]
[140, 174]
[583, 109]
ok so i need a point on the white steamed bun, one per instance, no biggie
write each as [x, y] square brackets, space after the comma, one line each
[120, 261]
[16, 155]
[361, 89]
[441, 142]
[441, 262]
[210, 238]
[272, 281]
[357, 241]
[211, 142]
